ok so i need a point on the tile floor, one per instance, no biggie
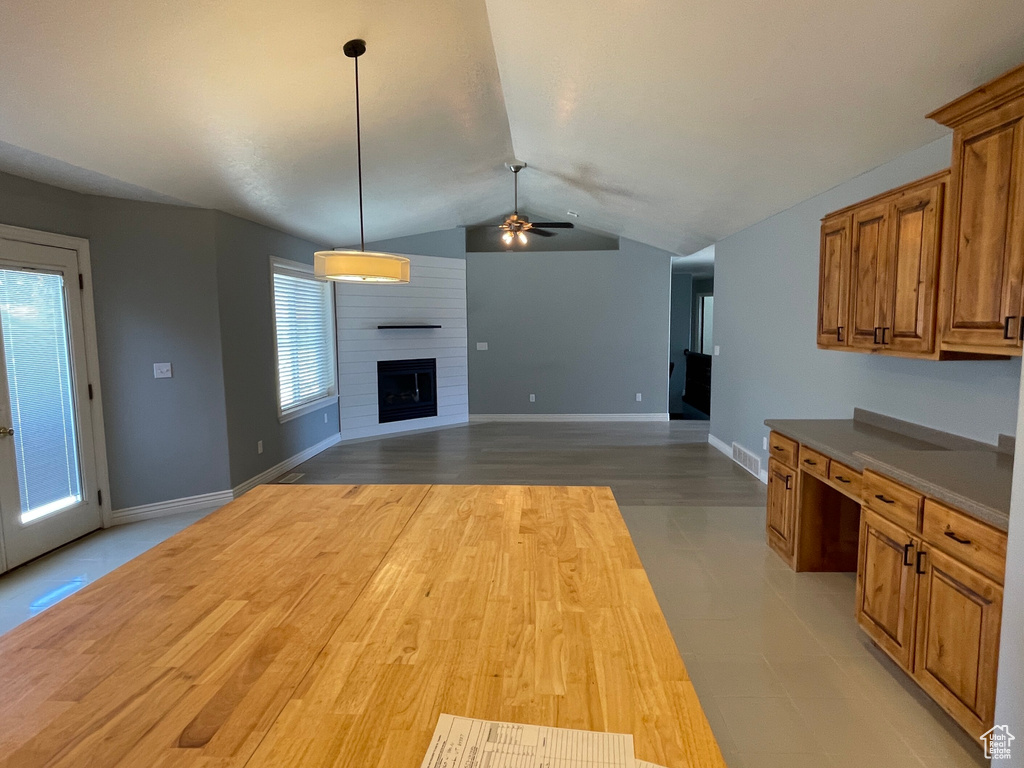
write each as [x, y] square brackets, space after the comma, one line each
[783, 672]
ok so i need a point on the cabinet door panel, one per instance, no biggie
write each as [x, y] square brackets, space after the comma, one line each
[869, 265]
[886, 586]
[781, 512]
[834, 278]
[914, 245]
[958, 639]
[984, 290]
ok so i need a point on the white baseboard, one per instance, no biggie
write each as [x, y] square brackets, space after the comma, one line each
[282, 467]
[727, 450]
[206, 501]
[482, 418]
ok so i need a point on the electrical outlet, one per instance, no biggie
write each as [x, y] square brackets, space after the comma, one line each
[718, 349]
[533, 398]
[259, 446]
[481, 346]
[325, 418]
[639, 397]
[162, 371]
[764, 443]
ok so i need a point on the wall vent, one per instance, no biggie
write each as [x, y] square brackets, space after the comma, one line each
[747, 460]
[291, 477]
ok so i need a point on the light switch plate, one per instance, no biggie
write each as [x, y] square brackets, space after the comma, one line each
[481, 346]
[639, 397]
[764, 443]
[162, 371]
[718, 349]
[533, 398]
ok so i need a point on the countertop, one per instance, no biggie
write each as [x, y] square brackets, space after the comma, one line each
[970, 476]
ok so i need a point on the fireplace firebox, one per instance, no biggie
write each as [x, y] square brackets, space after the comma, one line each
[406, 389]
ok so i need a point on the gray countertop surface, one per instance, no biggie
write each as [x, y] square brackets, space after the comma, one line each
[971, 477]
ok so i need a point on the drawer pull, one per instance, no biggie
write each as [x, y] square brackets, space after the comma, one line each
[778, 448]
[842, 479]
[917, 567]
[957, 539]
[812, 462]
[884, 500]
[906, 554]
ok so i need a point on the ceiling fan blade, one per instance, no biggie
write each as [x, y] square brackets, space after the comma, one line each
[541, 232]
[554, 224]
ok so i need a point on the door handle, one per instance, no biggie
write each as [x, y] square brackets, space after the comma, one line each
[6, 431]
[917, 566]
[1006, 326]
[906, 554]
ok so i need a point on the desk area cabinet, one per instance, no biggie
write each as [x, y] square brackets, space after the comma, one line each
[929, 576]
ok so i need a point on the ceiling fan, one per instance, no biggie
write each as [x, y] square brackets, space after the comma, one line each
[515, 226]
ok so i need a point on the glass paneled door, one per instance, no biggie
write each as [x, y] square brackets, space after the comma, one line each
[47, 463]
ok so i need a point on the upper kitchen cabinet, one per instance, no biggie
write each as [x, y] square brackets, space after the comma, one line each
[983, 255]
[878, 282]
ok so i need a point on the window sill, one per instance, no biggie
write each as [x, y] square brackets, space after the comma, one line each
[302, 410]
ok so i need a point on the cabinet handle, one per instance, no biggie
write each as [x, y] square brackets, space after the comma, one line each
[874, 337]
[839, 333]
[1020, 332]
[841, 479]
[957, 539]
[906, 554]
[778, 448]
[886, 328]
[812, 462]
[1006, 326]
[884, 500]
[917, 566]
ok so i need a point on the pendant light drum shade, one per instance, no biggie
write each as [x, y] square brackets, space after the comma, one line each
[361, 267]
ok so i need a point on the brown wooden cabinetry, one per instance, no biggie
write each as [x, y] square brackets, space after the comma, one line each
[781, 512]
[983, 258]
[882, 298]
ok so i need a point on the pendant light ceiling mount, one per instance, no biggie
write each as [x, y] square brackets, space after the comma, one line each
[360, 266]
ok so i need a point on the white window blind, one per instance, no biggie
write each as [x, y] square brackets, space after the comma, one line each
[304, 330]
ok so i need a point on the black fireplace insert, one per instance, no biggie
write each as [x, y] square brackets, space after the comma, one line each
[406, 389]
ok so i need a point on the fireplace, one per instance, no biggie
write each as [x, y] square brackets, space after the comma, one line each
[406, 389]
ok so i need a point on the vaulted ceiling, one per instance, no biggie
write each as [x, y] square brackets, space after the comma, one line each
[671, 122]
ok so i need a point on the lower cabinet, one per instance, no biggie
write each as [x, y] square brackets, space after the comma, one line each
[936, 617]
[958, 617]
[887, 586]
[781, 514]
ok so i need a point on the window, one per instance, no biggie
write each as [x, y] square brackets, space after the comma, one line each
[304, 339]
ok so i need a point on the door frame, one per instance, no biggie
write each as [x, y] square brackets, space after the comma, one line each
[92, 360]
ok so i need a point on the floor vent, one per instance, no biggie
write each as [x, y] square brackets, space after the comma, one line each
[747, 460]
[291, 477]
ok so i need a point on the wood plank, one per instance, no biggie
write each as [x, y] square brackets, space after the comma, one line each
[330, 625]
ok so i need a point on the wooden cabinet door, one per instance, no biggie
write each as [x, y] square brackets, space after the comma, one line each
[912, 282]
[869, 265]
[781, 514]
[984, 265]
[887, 586]
[834, 282]
[958, 618]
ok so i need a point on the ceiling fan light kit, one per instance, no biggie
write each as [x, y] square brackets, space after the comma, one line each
[515, 226]
[360, 266]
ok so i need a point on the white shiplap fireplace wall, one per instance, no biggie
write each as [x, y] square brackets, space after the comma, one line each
[436, 295]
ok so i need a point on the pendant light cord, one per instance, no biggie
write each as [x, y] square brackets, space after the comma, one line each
[515, 207]
[359, 161]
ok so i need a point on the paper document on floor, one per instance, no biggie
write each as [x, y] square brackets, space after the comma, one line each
[464, 742]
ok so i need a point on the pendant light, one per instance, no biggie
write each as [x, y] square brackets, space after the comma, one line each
[360, 266]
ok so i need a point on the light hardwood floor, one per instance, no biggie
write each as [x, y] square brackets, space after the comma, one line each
[330, 625]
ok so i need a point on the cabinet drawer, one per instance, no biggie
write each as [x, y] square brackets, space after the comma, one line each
[813, 462]
[891, 500]
[782, 449]
[848, 480]
[968, 540]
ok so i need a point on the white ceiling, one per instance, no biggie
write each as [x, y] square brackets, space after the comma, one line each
[672, 123]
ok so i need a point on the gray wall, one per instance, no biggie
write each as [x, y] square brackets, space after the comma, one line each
[582, 330]
[680, 334]
[247, 338]
[1010, 690]
[765, 317]
[155, 296]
